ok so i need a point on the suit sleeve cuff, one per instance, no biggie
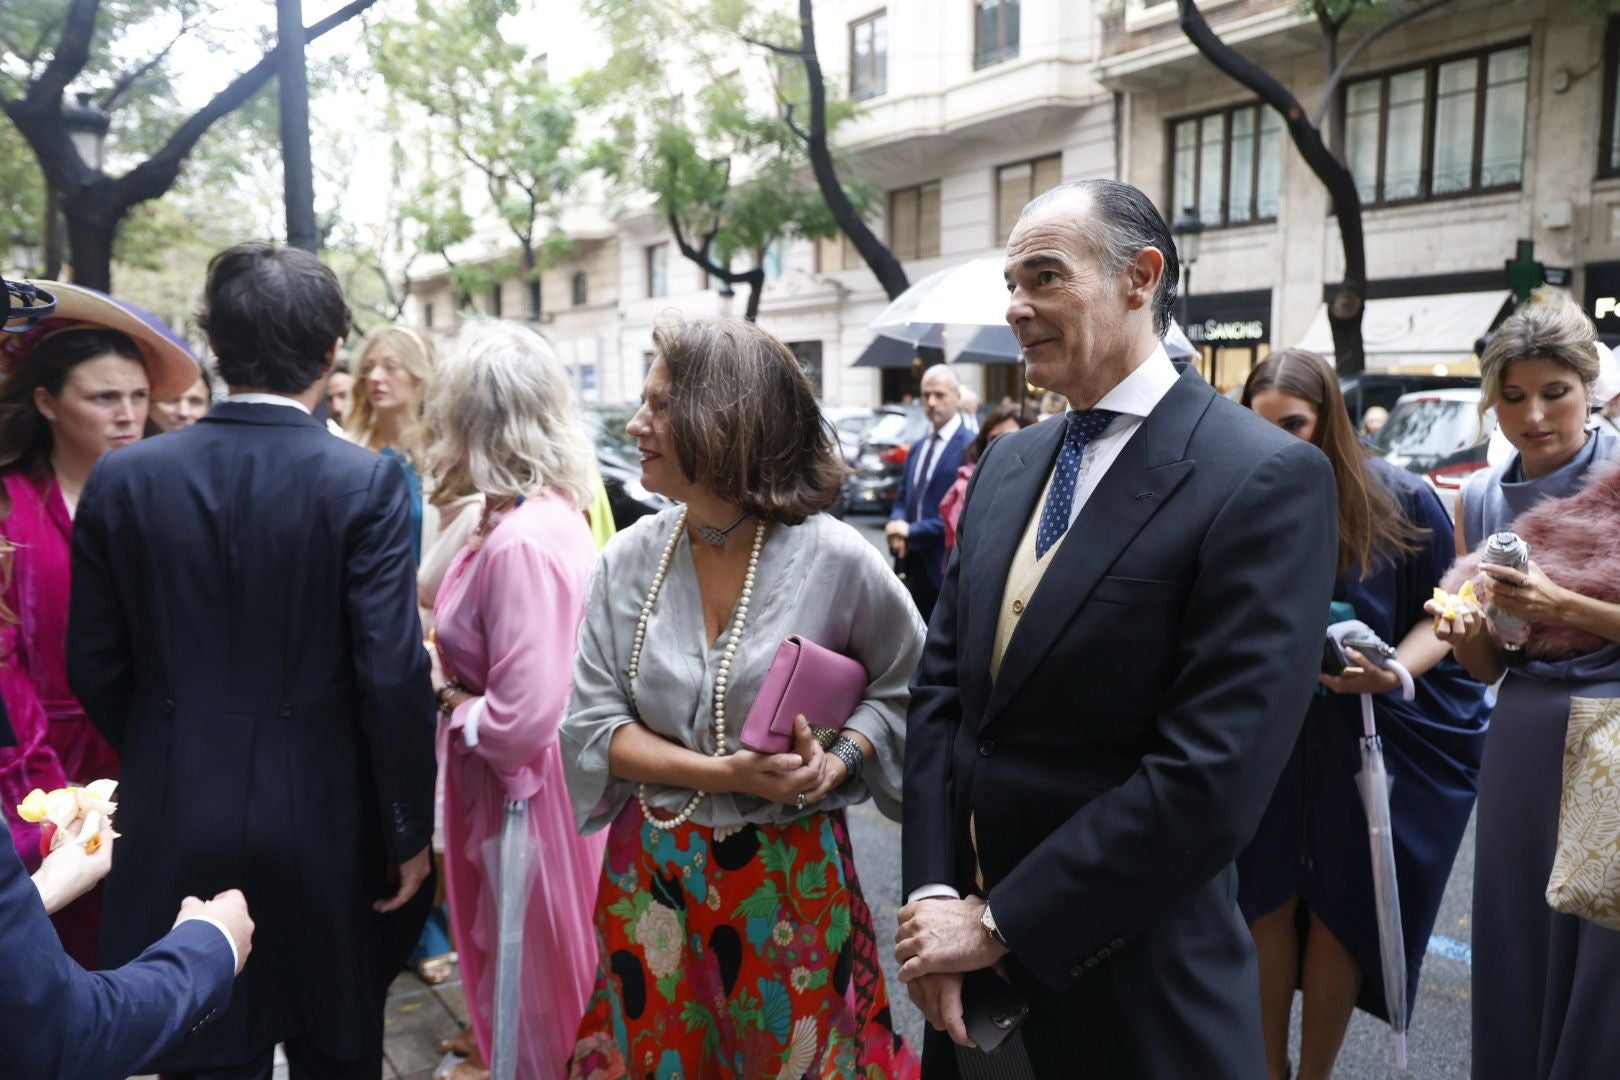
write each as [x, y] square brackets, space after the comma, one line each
[934, 890]
[236, 959]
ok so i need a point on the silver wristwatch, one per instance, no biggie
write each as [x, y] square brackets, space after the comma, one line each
[845, 749]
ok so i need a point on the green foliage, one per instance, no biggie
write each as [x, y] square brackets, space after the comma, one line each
[708, 140]
[493, 117]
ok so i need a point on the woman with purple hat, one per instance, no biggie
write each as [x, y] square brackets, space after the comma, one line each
[74, 386]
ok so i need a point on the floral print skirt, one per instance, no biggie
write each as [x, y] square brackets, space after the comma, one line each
[744, 952]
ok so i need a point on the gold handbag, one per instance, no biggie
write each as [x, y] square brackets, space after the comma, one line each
[1585, 877]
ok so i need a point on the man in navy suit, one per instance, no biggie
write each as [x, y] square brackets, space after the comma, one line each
[243, 630]
[1125, 645]
[61, 1022]
[915, 532]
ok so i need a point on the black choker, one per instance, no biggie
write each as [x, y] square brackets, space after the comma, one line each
[717, 537]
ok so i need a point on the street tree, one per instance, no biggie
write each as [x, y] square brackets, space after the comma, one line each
[491, 105]
[73, 40]
[710, 141]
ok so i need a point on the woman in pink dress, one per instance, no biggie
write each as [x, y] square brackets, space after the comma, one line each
[75, 386]
[507, 617]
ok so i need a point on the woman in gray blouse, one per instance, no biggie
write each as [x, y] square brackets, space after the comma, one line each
[734, 938]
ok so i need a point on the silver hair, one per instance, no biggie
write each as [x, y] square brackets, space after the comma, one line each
[501, 408]
[943, 369]
[1120, 221]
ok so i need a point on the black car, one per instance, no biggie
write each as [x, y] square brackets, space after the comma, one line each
[875, 483]
[620, 464]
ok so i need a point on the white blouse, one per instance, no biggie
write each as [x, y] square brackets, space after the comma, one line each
[821, 580]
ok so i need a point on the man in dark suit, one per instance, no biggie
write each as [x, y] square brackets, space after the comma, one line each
[1124, 647]
[244, 632]
[916, 532]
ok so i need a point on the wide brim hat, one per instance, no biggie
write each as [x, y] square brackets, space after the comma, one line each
[171, 366]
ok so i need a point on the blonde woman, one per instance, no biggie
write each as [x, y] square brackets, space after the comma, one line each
[395, 374]
[507, 616]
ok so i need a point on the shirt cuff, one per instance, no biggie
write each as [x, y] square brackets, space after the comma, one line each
[934, 890]
[236, 959]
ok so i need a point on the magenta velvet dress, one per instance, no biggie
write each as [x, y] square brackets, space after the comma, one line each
[56, 745]
[507, 619]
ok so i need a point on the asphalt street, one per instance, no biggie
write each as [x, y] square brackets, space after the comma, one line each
[1438, 1041]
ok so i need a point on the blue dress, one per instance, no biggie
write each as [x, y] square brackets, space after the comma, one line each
[414, 480]
[1312, 842]
[1546, 996]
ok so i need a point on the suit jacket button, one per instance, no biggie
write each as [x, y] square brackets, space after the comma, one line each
[1076, 971]
[1018, 607]
[987, 747]
[1104, 953]
[1091, 961]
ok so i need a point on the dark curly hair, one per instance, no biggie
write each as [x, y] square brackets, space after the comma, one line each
[745, 421]
[272, 316]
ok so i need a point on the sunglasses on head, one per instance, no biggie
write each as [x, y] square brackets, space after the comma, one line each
[26, 304]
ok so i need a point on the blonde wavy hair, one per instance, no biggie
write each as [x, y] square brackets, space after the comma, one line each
[503, 417]
[416, 353]
[1550, 326]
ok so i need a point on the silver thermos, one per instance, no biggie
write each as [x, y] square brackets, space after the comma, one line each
[1507, 549]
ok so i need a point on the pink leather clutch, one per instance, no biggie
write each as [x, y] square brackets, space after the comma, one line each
[806, 680]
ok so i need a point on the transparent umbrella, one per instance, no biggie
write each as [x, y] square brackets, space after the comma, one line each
[1373, 781]
[517, 850]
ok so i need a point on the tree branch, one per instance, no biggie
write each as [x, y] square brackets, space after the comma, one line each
[157, 174]
[1330, 88]
[71, 54]
[126, 82]
[787, 118]
[779, 50]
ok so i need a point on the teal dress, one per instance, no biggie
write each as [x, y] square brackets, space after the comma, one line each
[414, 479]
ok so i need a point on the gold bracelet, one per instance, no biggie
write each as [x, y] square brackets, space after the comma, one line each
[825, 736]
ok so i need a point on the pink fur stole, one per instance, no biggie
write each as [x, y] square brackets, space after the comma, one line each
[1576, 542]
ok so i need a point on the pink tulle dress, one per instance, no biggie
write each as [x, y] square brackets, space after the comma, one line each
[507, 618]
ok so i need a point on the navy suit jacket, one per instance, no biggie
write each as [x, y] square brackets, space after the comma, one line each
[1144, 708]
[926, 540]
[60, 1022]
[244, 631]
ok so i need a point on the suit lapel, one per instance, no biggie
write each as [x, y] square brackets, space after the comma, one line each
[1011, 502]
[1140, 481]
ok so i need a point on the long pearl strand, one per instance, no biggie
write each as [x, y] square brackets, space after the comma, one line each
[722, 673]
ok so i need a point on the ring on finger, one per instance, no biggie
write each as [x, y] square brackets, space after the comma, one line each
[798, 801]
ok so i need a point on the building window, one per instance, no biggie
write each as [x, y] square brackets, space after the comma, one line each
[869, 56]
[580, 286]
[658, 270]
[771, 260]
[1454, 126]
[995, 31]
[809, 357]
[427, 316]
[1609, 137]
[495, 300]
[1017, 184]
[914, 222]
[1227, 165]
[834, 253]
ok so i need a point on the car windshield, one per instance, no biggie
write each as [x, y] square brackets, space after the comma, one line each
[606, 427]
[1429, 427]
[891, 428]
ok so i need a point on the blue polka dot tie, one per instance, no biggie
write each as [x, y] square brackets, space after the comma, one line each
[1082, 428]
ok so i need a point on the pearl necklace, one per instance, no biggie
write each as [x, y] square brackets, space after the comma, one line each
[722, 673]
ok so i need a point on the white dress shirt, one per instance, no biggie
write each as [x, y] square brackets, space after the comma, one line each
[269, 399]
[1134, 397]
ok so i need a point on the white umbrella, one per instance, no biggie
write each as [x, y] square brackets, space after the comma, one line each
[513, 885]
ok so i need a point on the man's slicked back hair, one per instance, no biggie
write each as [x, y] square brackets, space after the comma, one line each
[272, 315]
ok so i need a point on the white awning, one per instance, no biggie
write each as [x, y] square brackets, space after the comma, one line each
[1406, 330]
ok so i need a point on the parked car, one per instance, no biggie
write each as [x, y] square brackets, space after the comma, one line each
[851, 426]
[1368, 388]
[1438, 434]
[875, 483]
[620, 464]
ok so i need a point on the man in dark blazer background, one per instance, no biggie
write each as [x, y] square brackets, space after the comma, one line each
[1124, 647]
[244, 631]
[916, 532]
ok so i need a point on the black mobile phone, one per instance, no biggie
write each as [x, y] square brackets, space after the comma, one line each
[991, 1008]
[1334, 661]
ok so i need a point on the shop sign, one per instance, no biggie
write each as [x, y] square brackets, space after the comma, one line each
[1224, 331]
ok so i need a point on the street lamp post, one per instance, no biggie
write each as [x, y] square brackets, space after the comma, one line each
[87, 126]
[1188, 230]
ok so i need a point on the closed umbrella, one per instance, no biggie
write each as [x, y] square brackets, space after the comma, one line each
[517, 850]
[1373, 781]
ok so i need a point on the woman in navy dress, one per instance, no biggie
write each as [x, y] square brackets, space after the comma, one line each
[1305, 882]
